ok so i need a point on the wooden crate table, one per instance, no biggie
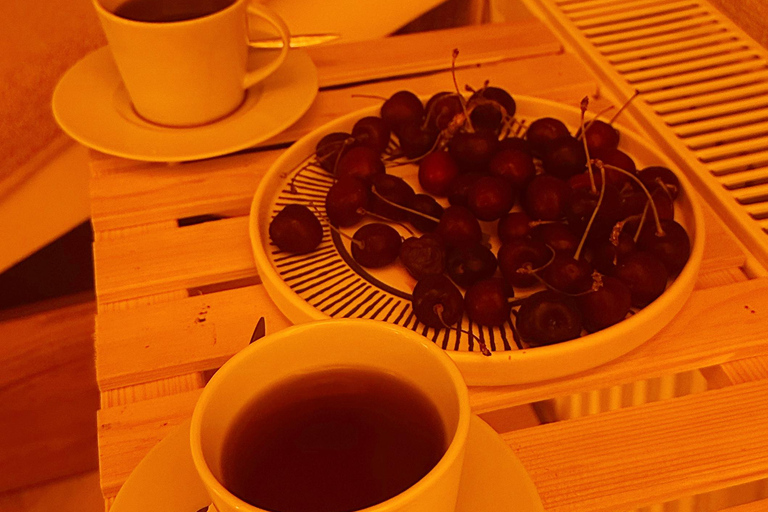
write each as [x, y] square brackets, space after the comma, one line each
[178, 294]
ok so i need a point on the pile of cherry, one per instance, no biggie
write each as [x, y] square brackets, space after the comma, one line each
[584, 237]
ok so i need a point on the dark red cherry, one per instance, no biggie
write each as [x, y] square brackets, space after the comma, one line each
[606, 305]
[518, 259]
[568, 275]
[660, 177]
[331, 147]
[375, 245]
[605, 253]
[557, 236]
[673, 247]
[441, 109]
[347, 200]
[490, 197]
[416, 140]
[458, 226]
[513, 164]
[543, 132]
[582, 205]
[427, 205]
[497, 96]
[565, 158]
[392, 189]
[546, 197]
[486, 302]
[296, 229]
[372, 131]
[437, 172]
[473, 151]
[601, 136]
[423, 256]
[402, 108]
[515, 143]
[467, 265]
[645, 275]
[615, 158]
[548, 317]
[458, 195]
[512, 226]
[360, 161]
[437, 302]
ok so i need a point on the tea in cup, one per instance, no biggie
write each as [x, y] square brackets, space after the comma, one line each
[333, 416]
[184, 62]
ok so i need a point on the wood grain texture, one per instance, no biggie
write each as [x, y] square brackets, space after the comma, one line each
[195, 334]
[48, 396]
[697, 337]
[128, 432]
[361, 61]
[649, 454]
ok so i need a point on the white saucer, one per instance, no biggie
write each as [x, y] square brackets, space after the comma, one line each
[91, 105]
[493, 479]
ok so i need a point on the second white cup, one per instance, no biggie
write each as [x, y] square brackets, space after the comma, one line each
[320, 364]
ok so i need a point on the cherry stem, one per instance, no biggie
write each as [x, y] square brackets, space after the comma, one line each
[404, 208]
[438, 310]
[641, 223]
[370, 96]
[359, 243]
[577, 254]
[656, 218]
[625, 105]
[591, 121]
[463, 102]
[381, 217]
[586, 148]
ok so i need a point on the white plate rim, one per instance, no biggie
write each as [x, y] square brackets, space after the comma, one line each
[516, 366]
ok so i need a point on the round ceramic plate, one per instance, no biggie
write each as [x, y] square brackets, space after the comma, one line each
[328, 283]
[92, 106]
[492, 478]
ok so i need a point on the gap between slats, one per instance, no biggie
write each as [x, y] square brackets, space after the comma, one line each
[623, 13]
[651, 22]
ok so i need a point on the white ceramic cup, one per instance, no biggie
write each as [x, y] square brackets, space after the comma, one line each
[191, 72]
[327, 344]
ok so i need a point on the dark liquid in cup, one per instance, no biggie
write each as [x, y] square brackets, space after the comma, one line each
[163, 11]
[334, 441]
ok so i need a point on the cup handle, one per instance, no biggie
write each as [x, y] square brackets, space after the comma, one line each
[254, 77]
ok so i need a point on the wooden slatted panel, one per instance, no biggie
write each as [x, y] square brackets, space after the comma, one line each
[651, 453]
[703, 91]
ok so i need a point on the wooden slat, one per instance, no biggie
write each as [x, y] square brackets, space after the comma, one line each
[697, 337]
[166, 387]
[195, 334]
[756, 506]
[345, 63]
[126, 193]
[167, 260]
[649, 454]
[127, 433]
[146, 192]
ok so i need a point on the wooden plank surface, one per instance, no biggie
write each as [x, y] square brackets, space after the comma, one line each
[651, 453]
[176, 302]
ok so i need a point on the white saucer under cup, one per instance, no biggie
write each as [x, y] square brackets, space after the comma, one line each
[92, 106]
